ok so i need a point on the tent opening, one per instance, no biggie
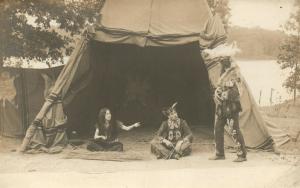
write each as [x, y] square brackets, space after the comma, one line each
[136, 83]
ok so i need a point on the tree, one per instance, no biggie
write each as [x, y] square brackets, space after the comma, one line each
[222, 8]
[43, 29]
[289, 56]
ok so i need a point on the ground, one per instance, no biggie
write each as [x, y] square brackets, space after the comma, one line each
[263, 169]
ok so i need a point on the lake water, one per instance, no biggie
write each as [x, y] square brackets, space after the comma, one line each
[264, 76]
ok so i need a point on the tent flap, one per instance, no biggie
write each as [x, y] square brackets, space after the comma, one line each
[67, 74]
[66, 77]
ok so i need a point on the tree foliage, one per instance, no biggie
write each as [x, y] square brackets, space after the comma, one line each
[43, 28]
[289, 57]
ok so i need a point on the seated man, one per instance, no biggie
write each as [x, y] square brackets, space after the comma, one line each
[174, 137]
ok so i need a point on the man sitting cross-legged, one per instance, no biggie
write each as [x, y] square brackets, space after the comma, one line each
[174, 137]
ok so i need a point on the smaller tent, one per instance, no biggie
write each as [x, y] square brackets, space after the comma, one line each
[22, 93]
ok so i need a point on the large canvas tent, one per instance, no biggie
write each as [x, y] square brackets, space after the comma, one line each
[140, 56]
[22, 93]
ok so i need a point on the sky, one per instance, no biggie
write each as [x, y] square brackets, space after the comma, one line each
[267, 14]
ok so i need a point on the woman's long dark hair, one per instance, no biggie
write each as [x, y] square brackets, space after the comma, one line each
[101, 117]
[101, 123]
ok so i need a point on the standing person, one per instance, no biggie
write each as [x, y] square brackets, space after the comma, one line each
[174, 137]
[106, 134]
[228, 107]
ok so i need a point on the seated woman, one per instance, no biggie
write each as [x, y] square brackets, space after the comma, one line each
[106, 134]
[174, 137]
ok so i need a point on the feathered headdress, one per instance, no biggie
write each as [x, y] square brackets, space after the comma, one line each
[167, 110]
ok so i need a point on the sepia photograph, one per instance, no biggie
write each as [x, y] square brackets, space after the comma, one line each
[150, 93]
